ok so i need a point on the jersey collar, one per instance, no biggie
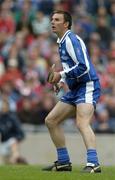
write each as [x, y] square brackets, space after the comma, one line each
[63, 37]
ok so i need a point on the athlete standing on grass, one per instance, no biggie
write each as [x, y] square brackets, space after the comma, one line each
[84, 92]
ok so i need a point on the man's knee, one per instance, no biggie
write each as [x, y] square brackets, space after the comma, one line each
[49, 122]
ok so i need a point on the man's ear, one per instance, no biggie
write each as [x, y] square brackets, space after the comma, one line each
[66, 24]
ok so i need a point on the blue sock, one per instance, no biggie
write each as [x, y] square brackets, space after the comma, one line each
[63, 156]
[92, 156]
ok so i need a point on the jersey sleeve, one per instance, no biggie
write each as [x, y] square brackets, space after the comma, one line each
[78, 53]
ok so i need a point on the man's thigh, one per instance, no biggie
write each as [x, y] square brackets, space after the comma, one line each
[84, 113]
[61, 111]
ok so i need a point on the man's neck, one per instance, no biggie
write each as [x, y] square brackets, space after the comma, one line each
[62, 37]
[62, 34]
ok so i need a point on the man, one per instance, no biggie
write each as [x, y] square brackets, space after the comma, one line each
[84, 92]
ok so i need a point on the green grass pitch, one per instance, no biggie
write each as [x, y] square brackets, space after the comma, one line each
[31, 172]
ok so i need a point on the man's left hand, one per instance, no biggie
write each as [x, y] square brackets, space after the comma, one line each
[55, 78]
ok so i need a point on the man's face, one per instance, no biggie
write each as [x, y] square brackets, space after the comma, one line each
[58, 24]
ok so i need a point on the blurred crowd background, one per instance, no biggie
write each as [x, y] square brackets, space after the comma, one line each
[28, 49]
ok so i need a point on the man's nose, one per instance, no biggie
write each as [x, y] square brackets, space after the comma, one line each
[52, 22]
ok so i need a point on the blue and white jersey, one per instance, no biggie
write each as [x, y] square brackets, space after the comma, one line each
[77, 66]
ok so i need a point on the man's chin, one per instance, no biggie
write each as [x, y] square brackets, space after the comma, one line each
[53, 30]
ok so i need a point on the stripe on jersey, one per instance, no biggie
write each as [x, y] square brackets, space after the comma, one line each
[73, 54]
[71, 51]
[84, 52]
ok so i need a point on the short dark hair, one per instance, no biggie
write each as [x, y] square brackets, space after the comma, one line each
[67, 17]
